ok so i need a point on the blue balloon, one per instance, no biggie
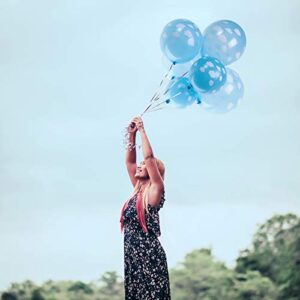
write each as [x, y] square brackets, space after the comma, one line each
[181, 93]
[207, 75]
[183, 69]
[181, 40]
[225, 40]
[228, 97]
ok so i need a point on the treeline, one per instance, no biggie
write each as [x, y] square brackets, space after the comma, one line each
[268, 270]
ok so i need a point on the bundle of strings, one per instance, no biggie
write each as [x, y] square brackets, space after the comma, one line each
[164, 87]
[140, 212]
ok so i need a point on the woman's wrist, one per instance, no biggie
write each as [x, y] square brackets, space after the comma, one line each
[132, 133]
[132, 136]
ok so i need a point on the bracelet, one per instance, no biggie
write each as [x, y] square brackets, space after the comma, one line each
[130, 146]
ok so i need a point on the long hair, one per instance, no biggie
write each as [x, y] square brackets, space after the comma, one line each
[142, 198]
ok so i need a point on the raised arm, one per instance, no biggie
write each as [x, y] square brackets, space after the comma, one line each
[130, 156]
[150, 161]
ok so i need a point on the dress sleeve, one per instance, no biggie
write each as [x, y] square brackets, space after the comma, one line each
[153, 216]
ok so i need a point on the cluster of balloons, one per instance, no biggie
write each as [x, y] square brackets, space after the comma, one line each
[199, 64]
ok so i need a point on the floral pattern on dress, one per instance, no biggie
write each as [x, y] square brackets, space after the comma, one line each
[146, 274]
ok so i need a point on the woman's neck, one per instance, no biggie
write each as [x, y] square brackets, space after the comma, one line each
[142, 186]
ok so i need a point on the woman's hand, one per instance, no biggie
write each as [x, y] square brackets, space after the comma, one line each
[139, 123]
[132, 128]
[136, 124]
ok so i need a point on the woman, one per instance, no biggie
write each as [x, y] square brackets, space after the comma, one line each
[145, 261]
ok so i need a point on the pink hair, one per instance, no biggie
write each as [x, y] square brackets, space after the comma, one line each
[139, 203]
[140, 213]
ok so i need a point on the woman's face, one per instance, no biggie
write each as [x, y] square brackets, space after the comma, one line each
[141, 170]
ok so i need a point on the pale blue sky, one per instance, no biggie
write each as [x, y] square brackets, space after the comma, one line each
[74, 73]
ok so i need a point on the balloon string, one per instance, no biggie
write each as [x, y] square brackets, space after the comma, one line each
[160, 92]
[171, 67]
[163, 81]
[173, 82]
[155, 109]
[157, 94]
[160, 103]
[168, 89]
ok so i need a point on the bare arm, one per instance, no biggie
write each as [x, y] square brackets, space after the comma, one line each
[130, 159]
[131, 155]
[150, 161]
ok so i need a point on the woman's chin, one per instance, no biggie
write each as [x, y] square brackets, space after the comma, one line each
[137, 175]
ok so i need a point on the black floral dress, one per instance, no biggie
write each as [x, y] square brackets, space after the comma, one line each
[145, 261]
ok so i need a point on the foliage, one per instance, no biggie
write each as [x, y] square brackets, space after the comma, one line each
[268, 270]
[275, 253]
[108, 287]
[200, 276]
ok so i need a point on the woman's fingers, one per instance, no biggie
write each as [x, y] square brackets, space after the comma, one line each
[138, 122]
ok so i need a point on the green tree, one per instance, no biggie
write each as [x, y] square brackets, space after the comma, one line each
[9, 296]
[80, 287]
[253, 286]
[22, 290]
[112, 286]
[37, 294]
[268, 270]
[275, 253]
[200, 276]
